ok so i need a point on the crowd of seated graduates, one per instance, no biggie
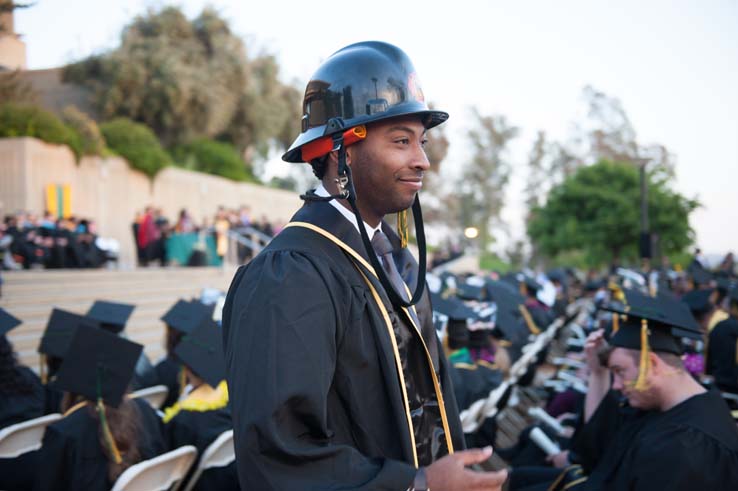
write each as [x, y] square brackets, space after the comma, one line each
[47, 242]
[595, 428]
[89, 373]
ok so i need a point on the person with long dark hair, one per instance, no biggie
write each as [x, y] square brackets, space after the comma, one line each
[103, 432]
[21, 392]
[182, 318]
[21, 399]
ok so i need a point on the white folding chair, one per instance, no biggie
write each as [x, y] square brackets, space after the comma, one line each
[155, 395]
[159, 473]
[220, 453]
[24, 437]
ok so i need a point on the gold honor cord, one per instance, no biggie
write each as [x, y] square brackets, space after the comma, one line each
[529, 320]
[380, 304]
[398, 364]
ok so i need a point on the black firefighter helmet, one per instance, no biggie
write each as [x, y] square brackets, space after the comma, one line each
[359, 84]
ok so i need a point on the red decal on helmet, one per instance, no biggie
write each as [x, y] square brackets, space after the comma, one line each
[413, 86]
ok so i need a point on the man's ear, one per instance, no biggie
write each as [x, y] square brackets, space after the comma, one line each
[657, 364]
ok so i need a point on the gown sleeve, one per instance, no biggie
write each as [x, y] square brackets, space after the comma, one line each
[57, 455]
[281, 343]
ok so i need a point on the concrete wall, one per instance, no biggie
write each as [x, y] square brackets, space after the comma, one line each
[110, 192]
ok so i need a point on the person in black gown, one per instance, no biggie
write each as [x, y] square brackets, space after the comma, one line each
[21, 399]
[336, 375]
[103, 432]
[722, 349]
[60, 330]
[672, 433]
[182, 318]
[203, 414]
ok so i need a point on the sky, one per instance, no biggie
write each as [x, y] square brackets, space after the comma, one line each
[673, 64]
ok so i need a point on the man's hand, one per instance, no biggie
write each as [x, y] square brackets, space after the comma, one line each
[450, 474]
[595, 342]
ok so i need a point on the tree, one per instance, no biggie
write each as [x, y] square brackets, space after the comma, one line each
[137, 144]
[188, 80]
[535, 185]
[596, 212]
[485, 176]
[213, 157]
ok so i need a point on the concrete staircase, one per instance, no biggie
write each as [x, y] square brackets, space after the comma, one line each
[31, 295]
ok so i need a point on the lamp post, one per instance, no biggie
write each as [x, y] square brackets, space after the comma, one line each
[645, 237]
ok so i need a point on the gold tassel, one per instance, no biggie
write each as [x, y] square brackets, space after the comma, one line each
[645, 364]
[107, 436]
[402, 227]
[615, 322]
[529, 320]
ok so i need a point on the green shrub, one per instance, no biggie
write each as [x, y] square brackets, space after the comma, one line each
[27, 120]
[213, 157]
[136, 143]
[90, 138]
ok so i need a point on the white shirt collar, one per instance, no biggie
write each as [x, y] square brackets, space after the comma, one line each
[347, 214]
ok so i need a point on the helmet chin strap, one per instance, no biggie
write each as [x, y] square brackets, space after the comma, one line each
[348, 192]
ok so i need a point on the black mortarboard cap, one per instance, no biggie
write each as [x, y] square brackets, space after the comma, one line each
[531, 283]
[724, 284]
[452, 307]
[510, 324]
[698, 301]
[468, 291]
[98, 364]
[185, 316]
[202, 352]
[111, 315]
[700, 276]
[8, 322]
[479, 338]
[60, 330]
[666, 320]
[556, 274]
[504, 294]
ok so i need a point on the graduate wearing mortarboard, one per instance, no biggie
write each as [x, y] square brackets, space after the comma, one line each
[202, 414]
[103, 432]
[181, 319]
[677, 435]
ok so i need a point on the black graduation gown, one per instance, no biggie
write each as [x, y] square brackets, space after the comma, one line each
[16, 408]
[313, 382]
[18, 473]
[694, 445]
[201, 428]
[168, 373]
[73, 459]
[722, 362]
[472, 382]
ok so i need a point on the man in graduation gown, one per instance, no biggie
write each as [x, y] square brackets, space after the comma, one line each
[336, 379]
[672, 434]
